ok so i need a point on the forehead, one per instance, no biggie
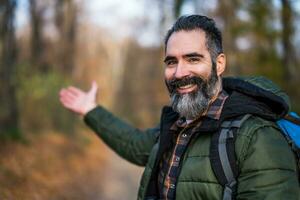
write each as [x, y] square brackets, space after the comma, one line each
[183, 42]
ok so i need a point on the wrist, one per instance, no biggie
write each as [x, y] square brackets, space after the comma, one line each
[89, 108]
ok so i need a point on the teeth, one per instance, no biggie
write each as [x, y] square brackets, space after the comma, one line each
[186, 86]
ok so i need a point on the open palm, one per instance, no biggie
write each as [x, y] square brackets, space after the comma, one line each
[78, 101]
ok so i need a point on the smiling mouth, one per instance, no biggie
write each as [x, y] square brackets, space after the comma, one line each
[186, 88]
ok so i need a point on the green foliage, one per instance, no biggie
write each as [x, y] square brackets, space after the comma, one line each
[13, 134]
[38, 97]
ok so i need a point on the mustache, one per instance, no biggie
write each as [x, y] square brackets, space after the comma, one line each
[175, 83]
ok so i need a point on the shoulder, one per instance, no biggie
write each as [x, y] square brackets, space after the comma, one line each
[255, 123]
[261, 141]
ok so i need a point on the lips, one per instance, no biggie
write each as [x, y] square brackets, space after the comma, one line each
[184, 85]
[186, 88]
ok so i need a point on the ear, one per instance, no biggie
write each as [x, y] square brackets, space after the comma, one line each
[221, 64]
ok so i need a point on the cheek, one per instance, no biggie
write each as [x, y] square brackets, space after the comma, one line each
[169, 73]
[202, 71]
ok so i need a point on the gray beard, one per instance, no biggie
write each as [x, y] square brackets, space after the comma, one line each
[193, 104]
[188, 105]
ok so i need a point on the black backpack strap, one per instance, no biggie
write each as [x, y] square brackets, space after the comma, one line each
[223, 158]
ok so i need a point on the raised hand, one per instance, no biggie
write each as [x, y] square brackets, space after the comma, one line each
[78, 101]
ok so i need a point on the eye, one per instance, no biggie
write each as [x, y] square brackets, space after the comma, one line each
[193, 60]
[171, 63]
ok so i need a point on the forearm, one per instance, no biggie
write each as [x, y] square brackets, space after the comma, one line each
[130, 143]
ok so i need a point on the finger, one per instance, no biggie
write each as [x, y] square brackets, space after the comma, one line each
[74, 90]
[72, 95]
[94, 88]
[67, 103]
[65, 92]
[62, 92]
[68, 94]
[68, 99]
[68, 106]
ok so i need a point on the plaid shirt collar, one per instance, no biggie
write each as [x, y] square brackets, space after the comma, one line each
[214, 112]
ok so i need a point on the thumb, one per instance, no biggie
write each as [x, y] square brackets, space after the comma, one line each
[94, 88]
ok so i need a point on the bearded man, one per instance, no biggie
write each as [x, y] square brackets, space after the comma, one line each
[176, 154]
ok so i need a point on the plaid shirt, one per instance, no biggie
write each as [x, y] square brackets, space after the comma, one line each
[183, 131]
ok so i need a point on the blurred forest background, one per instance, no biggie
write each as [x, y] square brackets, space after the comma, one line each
[46, 151]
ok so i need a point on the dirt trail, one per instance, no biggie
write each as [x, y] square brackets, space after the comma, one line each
[121, 178]
[53, 166]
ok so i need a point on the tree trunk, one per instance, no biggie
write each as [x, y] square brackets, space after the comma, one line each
[66, 12]
[226, 11]
[177, 7]
[8, 56]
[289, 56]
[37, 42]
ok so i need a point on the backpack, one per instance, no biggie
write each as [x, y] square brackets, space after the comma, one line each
[222, 149]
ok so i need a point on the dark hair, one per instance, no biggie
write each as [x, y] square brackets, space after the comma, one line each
[193, 22]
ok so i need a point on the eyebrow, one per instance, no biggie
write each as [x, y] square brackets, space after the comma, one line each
[169, 58]
[189, 55]
[194, 54]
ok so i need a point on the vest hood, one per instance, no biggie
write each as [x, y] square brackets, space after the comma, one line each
[254, 95]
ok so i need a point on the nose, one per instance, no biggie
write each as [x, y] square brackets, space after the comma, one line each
[181, 71]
